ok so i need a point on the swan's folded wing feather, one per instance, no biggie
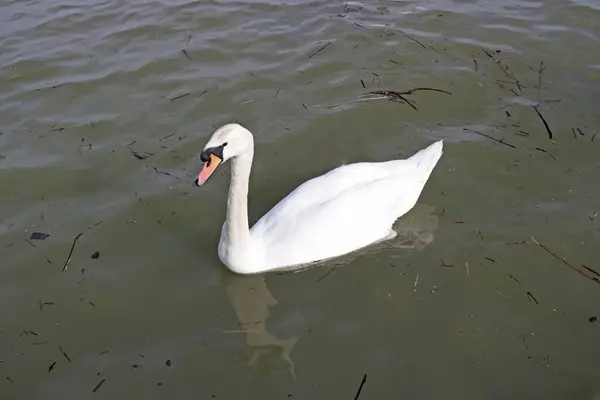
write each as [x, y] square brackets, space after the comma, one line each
[353, 219]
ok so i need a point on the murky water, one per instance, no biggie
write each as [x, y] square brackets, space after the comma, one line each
[441, 312]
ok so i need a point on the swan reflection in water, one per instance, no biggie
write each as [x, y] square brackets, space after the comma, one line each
[252, 299]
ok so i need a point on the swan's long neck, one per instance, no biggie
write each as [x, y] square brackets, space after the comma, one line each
[237, 229]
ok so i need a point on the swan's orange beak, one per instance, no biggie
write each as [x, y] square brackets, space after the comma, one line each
[208, 168]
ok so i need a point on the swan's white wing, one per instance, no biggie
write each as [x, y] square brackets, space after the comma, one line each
[353, 219]
[344, 210]
[329, 185]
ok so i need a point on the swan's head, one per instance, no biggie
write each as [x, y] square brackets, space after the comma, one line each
[227, 142]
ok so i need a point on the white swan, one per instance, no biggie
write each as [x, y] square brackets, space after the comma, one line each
[346, 209]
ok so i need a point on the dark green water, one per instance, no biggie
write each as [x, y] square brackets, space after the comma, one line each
[441, 313]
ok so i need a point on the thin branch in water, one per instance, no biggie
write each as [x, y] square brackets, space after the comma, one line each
[327, 274]
[98, 385]
[507, 71]
[390, 95]
[531, 298]
[179, 97]
[185, 53]
[319, 50]
[362, 383]
[568, 264]
[167, 136]
[68, 260]
[544, 121]
[413, 39]
[503, 295]
[501, 141]
[411, 91]
[540, 72]
[158, 172]
[359, 43]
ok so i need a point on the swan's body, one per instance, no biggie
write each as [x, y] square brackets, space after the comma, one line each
[348, 208]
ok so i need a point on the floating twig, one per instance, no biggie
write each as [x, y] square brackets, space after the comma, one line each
[327, 274]
[359, 43]
[503, 295]
[540, 72]
[167, 136]
[413, 39]
[362, 383]
[179, 97]
[530, 297]
[411, 91]
[185, 53]
[544, 121]
[98, 385]
[524, 342]
[591, 270]
[68, 260]
[64, 353]
[467, 266]
[80, 146]
[393, 95]
[319, 50]
[566, 262]
[165, 173]
[138, 155]
[506, 71]
[51, 367]
[45, 303]
[501, 141]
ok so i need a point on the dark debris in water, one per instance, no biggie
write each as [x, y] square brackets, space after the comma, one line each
[140, 156]
[159, 172]
[362, 383]
[320, 49]
[64, 353]
[68, 260]
[96, 255]
[593, 319]
[39, 236]
[98, 385]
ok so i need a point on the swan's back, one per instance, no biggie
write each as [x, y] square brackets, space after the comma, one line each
[344, 209]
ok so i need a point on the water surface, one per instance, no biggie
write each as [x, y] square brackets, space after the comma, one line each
[441, 312]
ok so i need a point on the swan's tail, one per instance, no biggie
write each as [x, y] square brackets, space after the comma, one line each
[427, 158]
